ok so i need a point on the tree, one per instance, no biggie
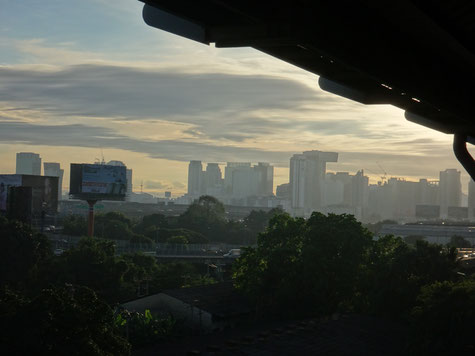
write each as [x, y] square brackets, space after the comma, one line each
[206, 216]
[443, 320]
[68, 320]
[459, 242]
[412, 239]
[23, 253]
[304, 267]
[93, 263]
[75, 225]
[113, 226]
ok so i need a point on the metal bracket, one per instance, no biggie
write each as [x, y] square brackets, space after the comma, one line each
[462, 154]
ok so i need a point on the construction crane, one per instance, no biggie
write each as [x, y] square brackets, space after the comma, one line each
[384, 177]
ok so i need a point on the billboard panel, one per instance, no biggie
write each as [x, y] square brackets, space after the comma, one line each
[98, 181]
[7, 181]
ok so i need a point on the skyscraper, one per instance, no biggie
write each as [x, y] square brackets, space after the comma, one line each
[28, 163]
[53, 169]
[195, 178]
[450, 190]
[265, 179]
[306, 178]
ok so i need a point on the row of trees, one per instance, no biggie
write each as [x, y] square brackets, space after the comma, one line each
[204, 221]
[327, 264]
[65, 304]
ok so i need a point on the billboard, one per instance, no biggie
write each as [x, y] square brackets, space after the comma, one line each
[98, 182]
[44, 191]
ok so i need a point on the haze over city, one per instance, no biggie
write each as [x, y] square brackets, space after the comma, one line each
[103, 83]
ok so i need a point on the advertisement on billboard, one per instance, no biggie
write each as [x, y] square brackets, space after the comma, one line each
[98, 181]
[7, 181]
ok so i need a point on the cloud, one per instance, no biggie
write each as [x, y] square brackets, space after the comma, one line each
[154, 185]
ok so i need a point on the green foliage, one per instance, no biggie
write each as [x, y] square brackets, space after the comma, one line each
[59, 321]
[178, 240]
[320, 258]
[376, 227]
[442, 322]
[206, 216]
[459, 242]
[150, 223]
[113, 226]
[165, 234]
[75, 225]
[144, 329]
[141, 239]
[23, 254]
[93, 263]
[412, 239]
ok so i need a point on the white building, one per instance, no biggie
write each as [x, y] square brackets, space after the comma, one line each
[28, 163]
[450, 191]
[306, 178]
[195, 179]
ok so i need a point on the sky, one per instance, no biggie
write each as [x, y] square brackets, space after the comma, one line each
[82, 80]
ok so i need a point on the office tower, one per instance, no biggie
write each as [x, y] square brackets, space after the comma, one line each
[359, 190]
[265, 179]
[53, 169]
[128, 175]
[195, 178]
[283, 191]
[450, 190]
[427, 193]
[306, 178]
[471, 199]
[213, 175]
[229, 170]
[28, 163]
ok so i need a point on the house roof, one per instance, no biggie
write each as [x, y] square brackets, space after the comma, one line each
[220, 299]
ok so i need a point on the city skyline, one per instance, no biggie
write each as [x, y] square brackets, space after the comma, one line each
[61, 98]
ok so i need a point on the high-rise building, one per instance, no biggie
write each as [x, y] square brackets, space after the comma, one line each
[427, 193]
[306, 178]
[450, 190]
[53, 169]
[471, 199]
[195, 179]
[128, 172]
[28, 163]
[265, 177]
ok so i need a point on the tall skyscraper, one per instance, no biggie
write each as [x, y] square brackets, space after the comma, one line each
[195, 178]
[28, 163]
[306, 178]
[450, 190]
[53, 169]
[471, 199]
[128, 175]
[265, 177]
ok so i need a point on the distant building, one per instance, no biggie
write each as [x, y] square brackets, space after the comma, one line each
[450, 190]
[265, 179]
[53, 169]
[283, 191]
[195, 176]
[128, 193]
[212, 180]
[306, 179]
[471, 199]
[28, 163]
[168, 195]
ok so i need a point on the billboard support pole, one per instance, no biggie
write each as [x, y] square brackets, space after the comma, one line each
[90, 220]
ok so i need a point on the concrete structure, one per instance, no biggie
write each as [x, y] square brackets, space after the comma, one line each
[265, 179]
[450, 190]
[306, 179]
[53, 169]
[195, 178]
[212, 180]
[28, 163]
[128, 193]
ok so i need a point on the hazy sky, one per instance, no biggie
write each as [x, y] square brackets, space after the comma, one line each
[78, 78]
